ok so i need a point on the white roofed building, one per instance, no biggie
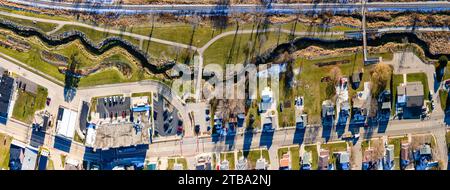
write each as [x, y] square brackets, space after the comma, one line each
[65, 125]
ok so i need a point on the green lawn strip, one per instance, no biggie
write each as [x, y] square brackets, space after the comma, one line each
[155, 50]
[295, 157]
[199, 35]
[443, 96]
[396, 81]
[314, 155]
[230, 158]
[253, 110]
[44, 26]
[286, 95]
[35, 15]
[397, 142]
[170, 163]
[254, 155]
[33, 59]
[77, 138]
[111, 76]
[27, 104]
[50, 165]
[63, 159]
[333, 148]
[235, 49]
[183, 162]
[5, 145]
[95, 35]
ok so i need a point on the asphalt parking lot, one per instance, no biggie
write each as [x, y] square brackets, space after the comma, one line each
[166, 117]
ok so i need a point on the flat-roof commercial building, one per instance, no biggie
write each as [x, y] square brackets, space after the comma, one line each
[65, 126]
[7, 88]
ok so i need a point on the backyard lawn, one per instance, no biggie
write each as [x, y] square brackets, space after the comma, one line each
[5, 144]
[254, 155]
[314, 154]
[397, 142]
[27, 104]
[294, 154]
[230, 157]
[313, 91]
[171, 162]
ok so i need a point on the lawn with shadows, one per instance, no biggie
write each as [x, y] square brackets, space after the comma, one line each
[229, 156]
[314, 154]
[294, 152]
[253, 155]
[178, 160]
[397, 142]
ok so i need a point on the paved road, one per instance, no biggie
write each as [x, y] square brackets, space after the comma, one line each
[238, 8]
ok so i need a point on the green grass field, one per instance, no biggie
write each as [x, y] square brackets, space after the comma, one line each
[4, 150]
[295, 156]
[254, 155]
[443, 96]
[45, 27]
[236, 49]
[27, 104]
[397, 142]
[230, 157]
[171, 162]
[314, 91]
